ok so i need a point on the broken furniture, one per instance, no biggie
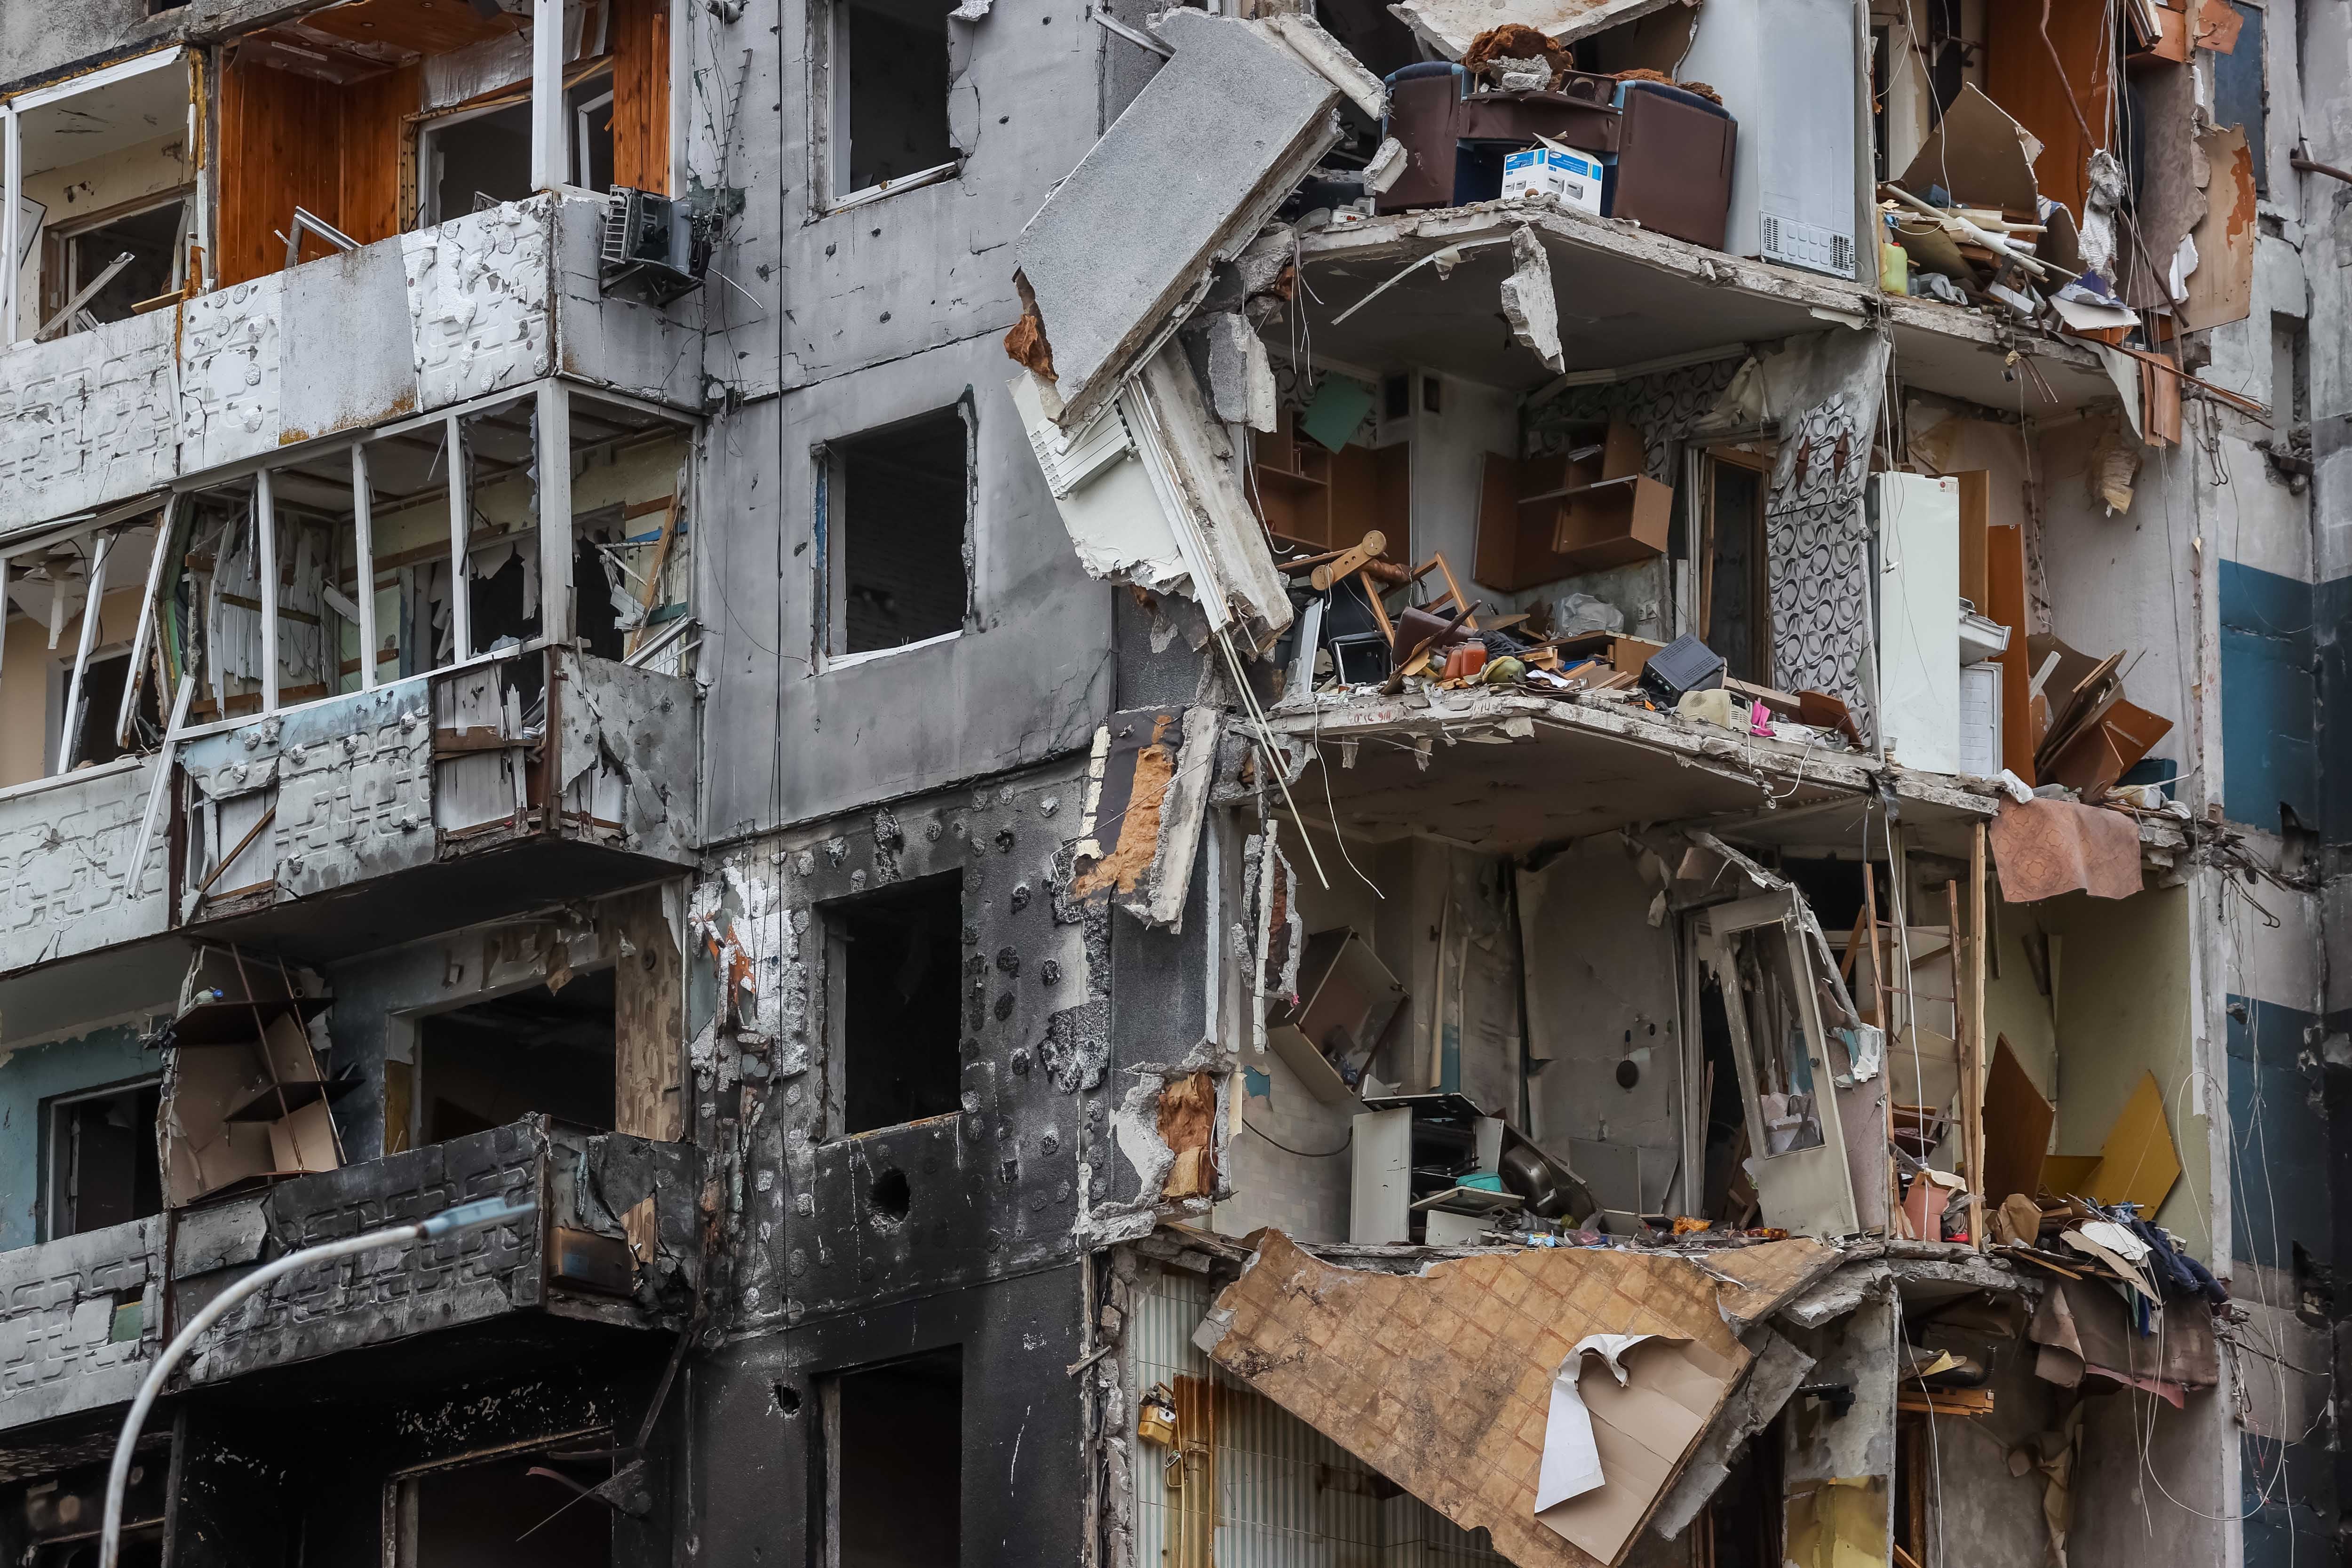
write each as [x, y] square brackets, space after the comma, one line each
[1437, 1170]
[1592, 507]
[1672, 169]
[1321, 496]
[1347, 1003]
[244, 1101]
[1455, 139]
[2089, 736]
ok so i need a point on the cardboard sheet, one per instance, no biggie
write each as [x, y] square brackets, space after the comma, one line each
[2222, 290]
[1980, 155]
[1443, 1381]
[2044, 847]
[1641, 1431]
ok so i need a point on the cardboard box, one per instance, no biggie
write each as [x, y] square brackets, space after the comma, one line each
[1570, 178]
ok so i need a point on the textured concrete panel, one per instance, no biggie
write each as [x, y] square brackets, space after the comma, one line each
[478, 289]
[61, 847]
[354, 789]
[229, 405]
[86, 419]
[653, 351]
[344, 359]
[1199, 161]
[57, 1313]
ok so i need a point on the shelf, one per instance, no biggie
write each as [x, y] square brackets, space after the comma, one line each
[282, 1100]
[226, 1022]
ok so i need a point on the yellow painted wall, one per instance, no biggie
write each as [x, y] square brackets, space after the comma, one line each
[25, 666]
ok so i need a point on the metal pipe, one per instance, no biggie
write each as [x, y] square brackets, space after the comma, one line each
[475, 1216]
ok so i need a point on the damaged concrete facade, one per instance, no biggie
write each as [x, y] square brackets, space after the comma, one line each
[1273, 781]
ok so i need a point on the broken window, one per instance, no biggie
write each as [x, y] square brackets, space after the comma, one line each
[63, 673]
[882, 1426]
[513, 1511]
[102, 1163]
[1734, 594]
[544, 1050]
[888, 64]
[632, 561]
[894, 509]
[96, 214]
[112, 267]
[891, 963]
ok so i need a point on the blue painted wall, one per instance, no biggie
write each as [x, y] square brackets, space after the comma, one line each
[2270, 697]
[2279, 1189]
[2331, 618]
[32, 1074]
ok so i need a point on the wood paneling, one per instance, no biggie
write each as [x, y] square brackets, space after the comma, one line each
[290, 139]
[2005, 602]
[640, 44]
[2021, 77]
[429, 26]
[280, 149]
[375, 134]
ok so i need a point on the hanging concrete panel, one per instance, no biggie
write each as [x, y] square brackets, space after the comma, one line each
[1189, 173]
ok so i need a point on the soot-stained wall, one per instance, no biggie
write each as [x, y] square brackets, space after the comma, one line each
[990, 1189]
[759, 1432]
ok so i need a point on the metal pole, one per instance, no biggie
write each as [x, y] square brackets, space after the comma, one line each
[363, 532]
[477, 1216]
[265, 542]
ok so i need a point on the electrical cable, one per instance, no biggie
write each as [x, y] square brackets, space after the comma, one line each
[1303, 1153]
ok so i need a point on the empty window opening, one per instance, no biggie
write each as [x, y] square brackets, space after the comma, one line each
[897, 501]
[149, 238]
[1734, 584]
[102, 1167]
[506, 1512]
[890, 70]
[475, 161]
[893, 959]
[102, 705]
[591, 142]
[539, 1051]
[886, 1423]
[1727, 1195]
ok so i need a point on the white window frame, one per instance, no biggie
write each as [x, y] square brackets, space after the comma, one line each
[12, 162]
[831, 571]
[829, 130]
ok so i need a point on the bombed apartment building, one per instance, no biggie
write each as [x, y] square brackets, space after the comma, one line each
[1276, 781]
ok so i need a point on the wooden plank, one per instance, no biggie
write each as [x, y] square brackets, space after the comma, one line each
[2021, 77]
[427, 27]
[374, 129]
[2018, 1122]
[1975, 515]
[2005, 588]
[280, 149]
[640, 46]
[1976, 1056]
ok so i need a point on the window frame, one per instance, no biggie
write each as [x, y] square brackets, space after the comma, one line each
[831, 918]
[831, 573]
[58, 281]
[828, 129]
[53, 1154]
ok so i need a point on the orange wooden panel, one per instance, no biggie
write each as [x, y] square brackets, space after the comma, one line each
[2005, 594]
[374, 127]
[640, 36]
[280, 135]
[429, 26]
[2021, 77]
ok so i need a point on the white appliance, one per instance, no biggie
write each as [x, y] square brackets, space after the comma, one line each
[1918, 622]
[1787, 70]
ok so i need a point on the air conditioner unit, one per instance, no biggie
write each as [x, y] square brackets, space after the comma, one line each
[1788, 71]
[654, 242]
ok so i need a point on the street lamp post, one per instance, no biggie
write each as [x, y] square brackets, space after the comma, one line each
[475, 1215]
